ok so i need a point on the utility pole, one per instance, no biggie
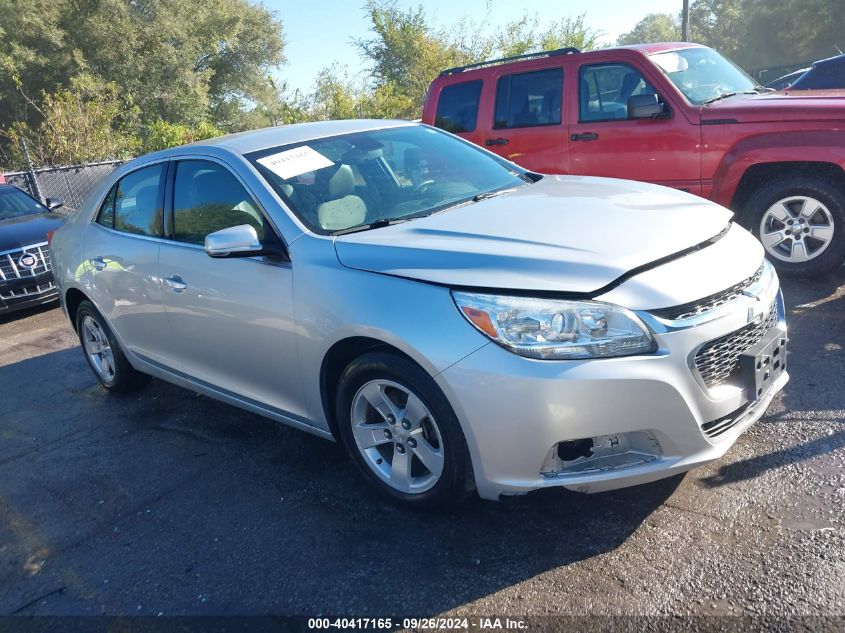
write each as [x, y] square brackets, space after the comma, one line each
[685, 22]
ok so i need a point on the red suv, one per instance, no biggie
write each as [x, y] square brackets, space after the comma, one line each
[675, 114]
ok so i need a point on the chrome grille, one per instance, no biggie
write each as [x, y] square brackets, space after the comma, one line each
[718, 361]
[28, 291]
[700, 306]
[11, 267]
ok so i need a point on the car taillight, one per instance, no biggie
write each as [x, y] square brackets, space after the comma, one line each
[50, 237]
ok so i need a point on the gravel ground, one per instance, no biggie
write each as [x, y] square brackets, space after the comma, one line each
[168, 502]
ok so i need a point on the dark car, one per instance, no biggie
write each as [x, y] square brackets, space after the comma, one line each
[26, 274]
[825, 74]
[782, 83]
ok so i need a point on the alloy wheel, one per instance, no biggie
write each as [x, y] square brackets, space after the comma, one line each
[796, 229]
[98, 349]
[397, 436]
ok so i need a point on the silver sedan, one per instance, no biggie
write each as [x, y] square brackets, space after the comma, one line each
[457, 322]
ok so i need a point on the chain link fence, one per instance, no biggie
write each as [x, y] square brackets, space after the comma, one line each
[70, 184]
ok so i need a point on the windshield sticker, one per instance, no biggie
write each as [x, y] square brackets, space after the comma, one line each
[294, 162]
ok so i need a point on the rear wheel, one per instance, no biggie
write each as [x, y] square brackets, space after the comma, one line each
[103, 352]
[801, 223]
[401, 431]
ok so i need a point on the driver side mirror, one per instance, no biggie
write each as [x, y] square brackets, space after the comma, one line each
[53, 203]
[242, 241]
[235, 241]
[646, 107]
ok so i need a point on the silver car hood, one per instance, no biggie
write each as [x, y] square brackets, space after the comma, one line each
[562, 234]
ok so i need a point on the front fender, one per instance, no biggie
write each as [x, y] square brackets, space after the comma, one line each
[816, 146]
[333, 303]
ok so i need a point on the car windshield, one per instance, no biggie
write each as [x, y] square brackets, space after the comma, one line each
[368, 179]
[15, 203]
[702, 74]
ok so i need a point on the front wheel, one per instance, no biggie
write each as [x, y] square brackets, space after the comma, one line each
[103, 352]
[401, 431]
[801, 223]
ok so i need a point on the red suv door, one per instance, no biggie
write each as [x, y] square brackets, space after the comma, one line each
[526, 123]
[604, 141]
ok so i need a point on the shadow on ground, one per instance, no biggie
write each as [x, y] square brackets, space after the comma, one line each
[177, 503]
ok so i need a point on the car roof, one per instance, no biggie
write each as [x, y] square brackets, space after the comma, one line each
[255, 140]
[656, 47]
[451, 74]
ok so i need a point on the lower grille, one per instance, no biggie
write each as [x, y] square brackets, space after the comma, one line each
[28, 291]
[717, 362]
[715, 428]
[22, 263]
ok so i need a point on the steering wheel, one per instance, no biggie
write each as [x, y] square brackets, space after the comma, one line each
[423, 187]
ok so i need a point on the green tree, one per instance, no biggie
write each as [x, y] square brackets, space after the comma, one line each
[529, 34]
[655, 27]
[162, 135]
[406, 52]
[85, 122]
[184, 61]
[759, 33]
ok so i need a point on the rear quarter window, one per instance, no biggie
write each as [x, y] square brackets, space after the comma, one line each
[457, 107]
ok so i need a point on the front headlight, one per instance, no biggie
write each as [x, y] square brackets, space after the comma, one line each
[556, 329]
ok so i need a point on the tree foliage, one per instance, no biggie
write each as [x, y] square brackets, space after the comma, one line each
[759, 33]
[185, 62]
[406, 52]
[530, 34]
[655, 27]
[85, 122]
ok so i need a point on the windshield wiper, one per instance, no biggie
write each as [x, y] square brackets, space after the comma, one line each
[491, 194]
[376, 224]
[724, 95]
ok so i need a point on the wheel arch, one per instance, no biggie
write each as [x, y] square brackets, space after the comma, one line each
[758, 175]
[73, 297]
[337, 358]
[775, 153]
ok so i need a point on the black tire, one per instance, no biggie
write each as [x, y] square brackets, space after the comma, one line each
[456, 481]
[126, 378]
[828, 193]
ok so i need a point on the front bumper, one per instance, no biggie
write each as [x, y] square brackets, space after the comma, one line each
[28, 292]
[515, 410]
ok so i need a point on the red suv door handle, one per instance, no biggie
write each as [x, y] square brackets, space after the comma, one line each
[496, 141]
[586, 136]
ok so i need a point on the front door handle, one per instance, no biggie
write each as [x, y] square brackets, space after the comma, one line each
[586, 136]
[98, 263]
[176, 284]
[496, 141]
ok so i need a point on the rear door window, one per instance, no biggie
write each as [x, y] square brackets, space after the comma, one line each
[529, 99]
[137, 204]
[457, 108]
[106, 214]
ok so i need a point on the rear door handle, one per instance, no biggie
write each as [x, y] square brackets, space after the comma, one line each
[496, 141]
[586, 136]
[98, 263]
[176, 284]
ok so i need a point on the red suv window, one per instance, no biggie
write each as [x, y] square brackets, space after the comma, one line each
[529, 99]
[604, 90]
[457, 108]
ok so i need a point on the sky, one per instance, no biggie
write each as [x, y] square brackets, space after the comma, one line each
[320, 32]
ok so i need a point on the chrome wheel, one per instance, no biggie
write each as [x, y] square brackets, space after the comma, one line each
[98, 349]
[397, 436]
[796, 229]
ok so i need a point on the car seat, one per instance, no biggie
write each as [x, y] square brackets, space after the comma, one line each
[342, 209]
